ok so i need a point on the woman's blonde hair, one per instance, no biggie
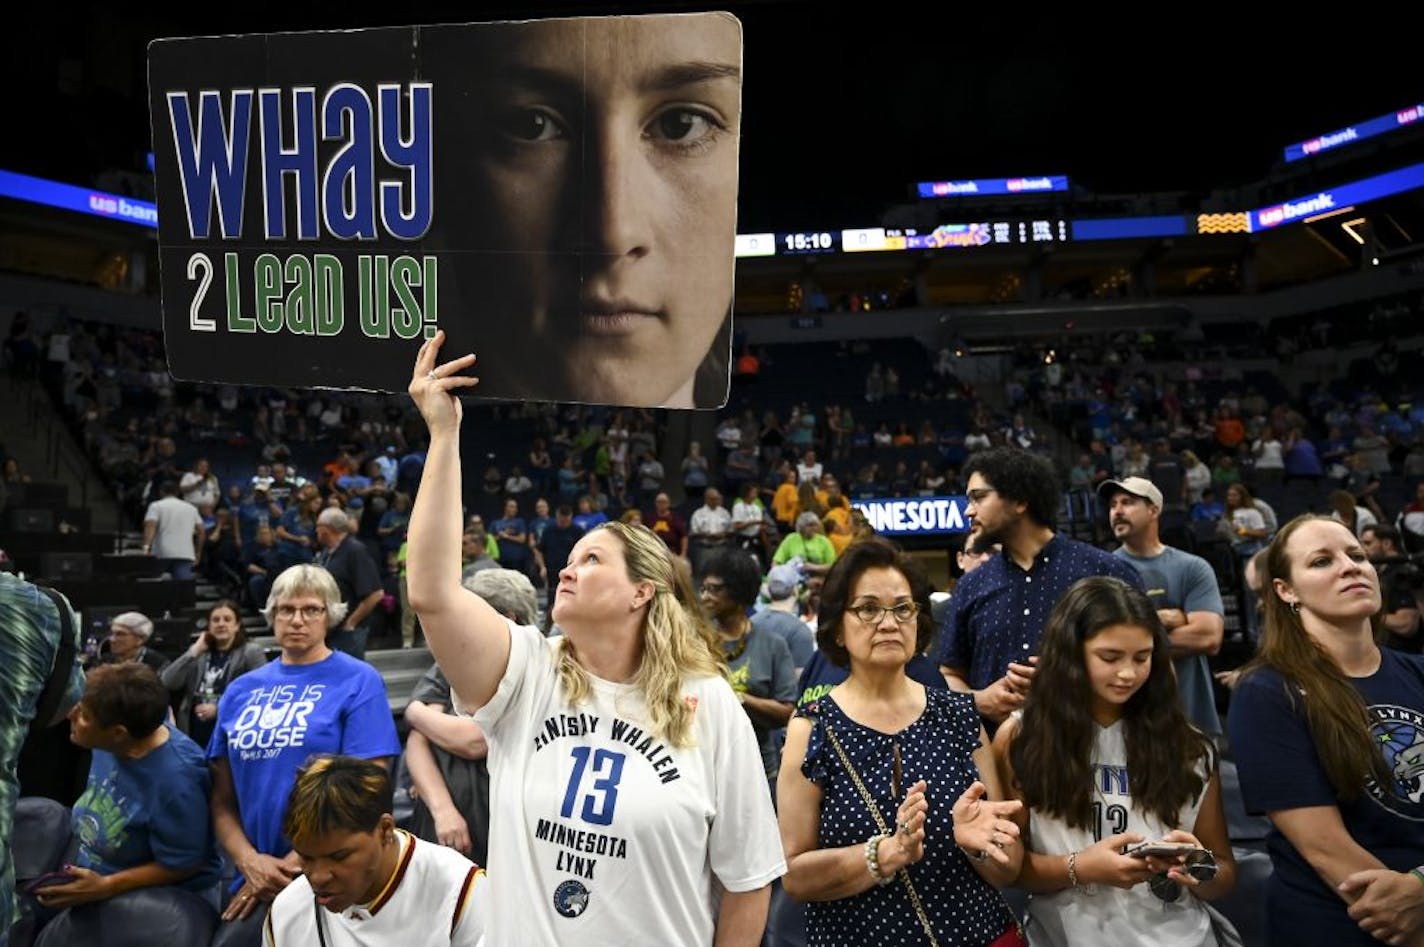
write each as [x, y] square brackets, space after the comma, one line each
[678, 643]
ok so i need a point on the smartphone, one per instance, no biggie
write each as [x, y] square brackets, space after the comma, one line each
[1160, 849]
[47, 879]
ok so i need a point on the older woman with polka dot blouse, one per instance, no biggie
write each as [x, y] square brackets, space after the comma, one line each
[886, 790]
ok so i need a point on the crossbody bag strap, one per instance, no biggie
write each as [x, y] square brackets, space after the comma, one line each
[53, 693]
[904, 873]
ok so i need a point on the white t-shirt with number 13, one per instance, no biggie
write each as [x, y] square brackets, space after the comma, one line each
[601, 833]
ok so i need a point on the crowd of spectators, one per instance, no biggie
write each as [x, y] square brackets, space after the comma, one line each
[760, 511]
[258, 465]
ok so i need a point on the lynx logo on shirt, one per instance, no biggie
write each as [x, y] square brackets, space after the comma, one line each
[571, 898]
[1399, 732]
[105, 821]
[273, 719]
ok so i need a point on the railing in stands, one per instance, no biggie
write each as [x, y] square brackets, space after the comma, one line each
[59, 451]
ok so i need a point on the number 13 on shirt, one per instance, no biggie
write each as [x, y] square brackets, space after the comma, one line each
[602, 793]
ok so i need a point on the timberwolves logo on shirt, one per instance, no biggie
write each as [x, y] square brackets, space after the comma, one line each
[1399, 732]
[571, 898]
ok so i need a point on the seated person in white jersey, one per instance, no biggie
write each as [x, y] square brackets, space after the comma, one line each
[365, 883]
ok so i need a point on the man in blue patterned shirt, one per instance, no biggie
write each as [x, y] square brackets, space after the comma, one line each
[991, 629]
[30, 628]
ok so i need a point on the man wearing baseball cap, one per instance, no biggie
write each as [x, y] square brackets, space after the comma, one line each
[1181, 586]
[781, 618]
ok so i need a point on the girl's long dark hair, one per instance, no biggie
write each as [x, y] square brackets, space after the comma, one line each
[1335, 713]
[1052, 752]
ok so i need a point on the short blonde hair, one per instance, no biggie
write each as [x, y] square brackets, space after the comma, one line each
[307, 579]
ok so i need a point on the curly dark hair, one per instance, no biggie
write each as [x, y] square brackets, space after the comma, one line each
[1020, 477]
[738, 571]
[839, 587]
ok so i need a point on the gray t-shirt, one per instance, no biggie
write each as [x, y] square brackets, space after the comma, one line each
[792, 630]
[467, 780]
[765, 670]
[1177, 579]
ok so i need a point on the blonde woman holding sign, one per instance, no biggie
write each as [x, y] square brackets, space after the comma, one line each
[626, 776]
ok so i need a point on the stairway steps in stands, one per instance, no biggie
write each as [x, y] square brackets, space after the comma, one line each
[397, 659]
[1232, 619]
[399, 684]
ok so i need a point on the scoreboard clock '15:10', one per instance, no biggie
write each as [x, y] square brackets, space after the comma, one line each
[808, 241]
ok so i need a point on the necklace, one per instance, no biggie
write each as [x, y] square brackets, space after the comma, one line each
[745, 633]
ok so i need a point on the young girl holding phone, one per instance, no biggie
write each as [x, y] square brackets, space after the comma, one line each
[1103, 758]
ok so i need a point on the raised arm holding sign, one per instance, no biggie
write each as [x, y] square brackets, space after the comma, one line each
[625, 777]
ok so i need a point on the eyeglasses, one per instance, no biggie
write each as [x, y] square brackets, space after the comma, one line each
[873, 614]
[975, 497]
[308, 612]
[713, 588]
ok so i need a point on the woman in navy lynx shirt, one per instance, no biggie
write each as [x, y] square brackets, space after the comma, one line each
[1327, 729]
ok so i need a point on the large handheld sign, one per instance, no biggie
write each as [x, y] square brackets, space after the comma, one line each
[559, 196]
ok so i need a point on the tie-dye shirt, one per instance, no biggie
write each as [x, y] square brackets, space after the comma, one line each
[30, 627]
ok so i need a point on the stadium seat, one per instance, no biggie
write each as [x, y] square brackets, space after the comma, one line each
[135, 919]
[41, 844]
[1245, 904]
[1240, 827]
[41, 837]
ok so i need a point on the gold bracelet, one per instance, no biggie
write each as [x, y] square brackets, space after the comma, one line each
[1073, 869]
